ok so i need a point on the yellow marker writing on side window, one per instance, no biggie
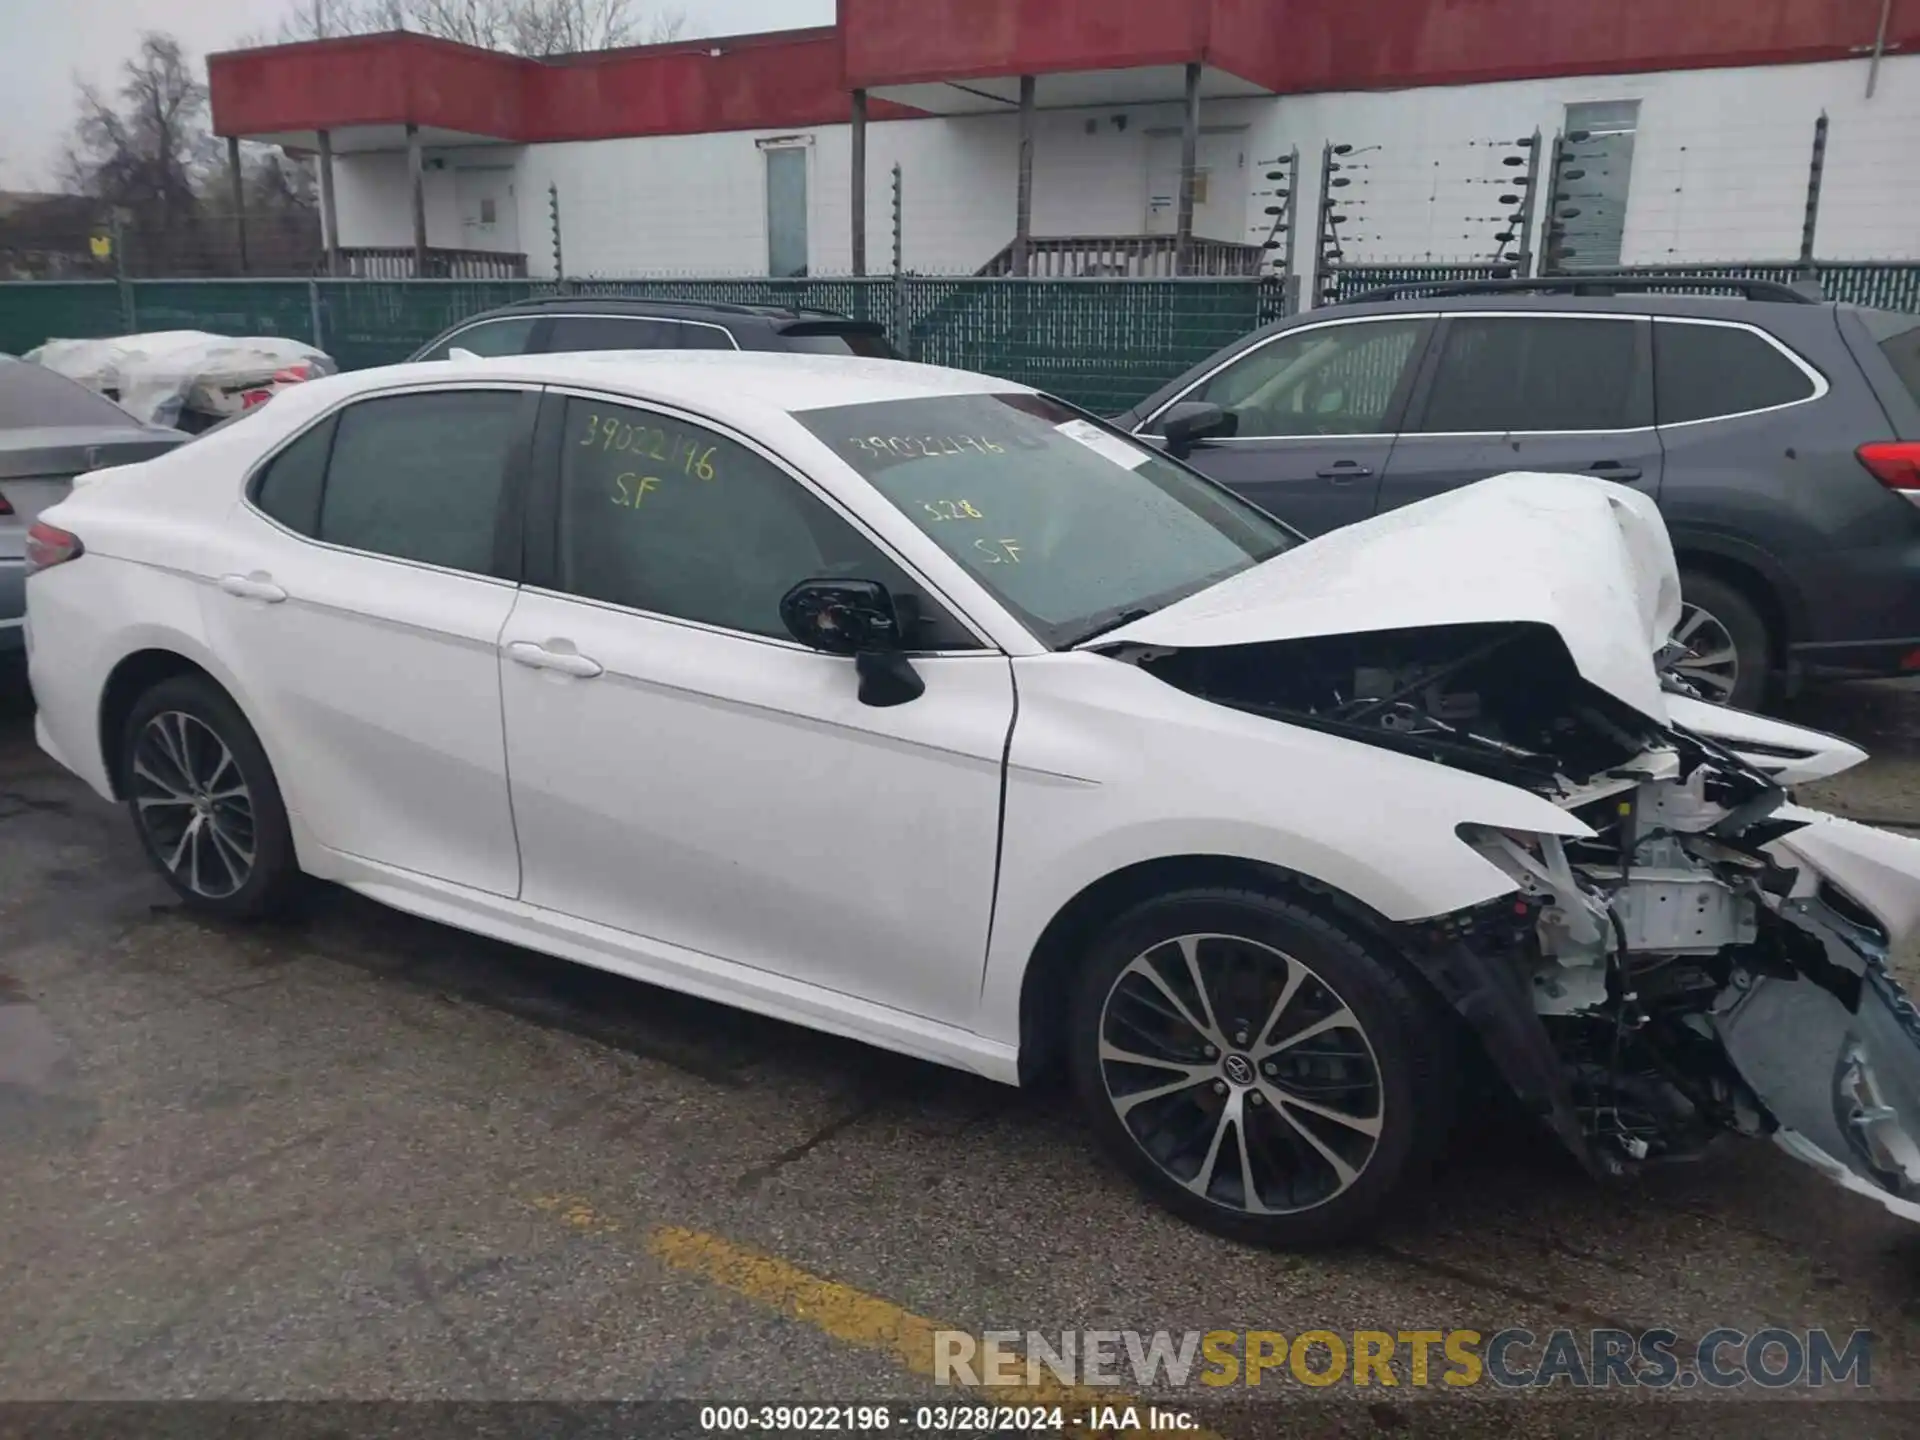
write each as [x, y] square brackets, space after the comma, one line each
[630, 489]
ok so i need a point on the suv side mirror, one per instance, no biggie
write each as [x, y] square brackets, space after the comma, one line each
[857, 618]
[1194, 422]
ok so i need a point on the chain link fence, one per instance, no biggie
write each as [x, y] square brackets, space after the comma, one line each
[1102, 344]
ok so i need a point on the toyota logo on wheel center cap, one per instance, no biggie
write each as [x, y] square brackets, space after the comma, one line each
[1238, 1069]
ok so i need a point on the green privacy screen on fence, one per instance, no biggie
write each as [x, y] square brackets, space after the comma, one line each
[1101, 343]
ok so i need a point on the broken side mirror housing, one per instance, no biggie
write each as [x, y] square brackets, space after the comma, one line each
[860, 618]
[1194, 422]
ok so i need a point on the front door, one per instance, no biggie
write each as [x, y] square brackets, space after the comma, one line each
[359, 598]
[685, 772]
[1316, 409]
[1567, 394]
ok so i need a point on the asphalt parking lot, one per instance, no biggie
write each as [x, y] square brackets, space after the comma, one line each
[358, 1155]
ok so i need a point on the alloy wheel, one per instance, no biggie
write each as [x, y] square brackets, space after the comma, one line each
[1241, 1073]
[193, 804]
[1710, 660]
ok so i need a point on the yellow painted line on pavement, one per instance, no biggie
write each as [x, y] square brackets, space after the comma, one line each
[857, 1318]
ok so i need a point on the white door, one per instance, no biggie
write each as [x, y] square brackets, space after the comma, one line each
[353, 602]
[1220, 187]
[489, 214]
[684, 772]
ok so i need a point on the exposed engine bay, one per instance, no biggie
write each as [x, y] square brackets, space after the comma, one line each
[1711, 958]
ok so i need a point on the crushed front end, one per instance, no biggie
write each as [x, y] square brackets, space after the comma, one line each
[1711, 959]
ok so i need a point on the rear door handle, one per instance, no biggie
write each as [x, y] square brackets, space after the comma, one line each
[1344, 470]
[257, 586]
[1613, 470]
[567, 662]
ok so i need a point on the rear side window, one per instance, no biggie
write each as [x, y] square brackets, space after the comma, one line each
[614, 332]
[1903, 353]
[419, 477]
[289, 488]
[493, 337]
[1501, 374]
[1705, 371]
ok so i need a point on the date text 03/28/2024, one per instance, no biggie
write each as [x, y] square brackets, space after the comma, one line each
[961, 1419]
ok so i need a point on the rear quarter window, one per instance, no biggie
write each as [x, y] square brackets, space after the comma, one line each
[1903, 353]
[1703, 372]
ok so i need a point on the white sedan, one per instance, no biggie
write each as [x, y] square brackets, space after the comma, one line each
[921, 708]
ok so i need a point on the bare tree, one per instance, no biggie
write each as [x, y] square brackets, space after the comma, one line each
[147, 155]
[524, 27]
[320, 20]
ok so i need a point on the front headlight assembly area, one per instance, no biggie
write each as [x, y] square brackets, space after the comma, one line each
[1691, 981]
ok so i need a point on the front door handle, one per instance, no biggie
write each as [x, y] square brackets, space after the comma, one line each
[1614, 470]
[257, 586]
[567, 662]
[1344, 470]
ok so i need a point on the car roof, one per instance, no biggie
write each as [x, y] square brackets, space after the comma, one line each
[646, 305]
[738, 385]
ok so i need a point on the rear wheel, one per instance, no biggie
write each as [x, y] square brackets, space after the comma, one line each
[1730, 652]
[1258, 1068]
[204, 800]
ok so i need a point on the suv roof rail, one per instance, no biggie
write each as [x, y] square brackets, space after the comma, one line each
[661, 302]
[1595, 284]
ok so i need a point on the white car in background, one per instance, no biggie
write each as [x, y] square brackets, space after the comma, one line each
[918, 707]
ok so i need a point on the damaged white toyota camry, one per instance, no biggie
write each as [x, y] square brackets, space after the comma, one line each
[918, 707]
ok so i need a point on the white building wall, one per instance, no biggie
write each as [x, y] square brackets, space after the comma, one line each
[1719, 174]
[375, 198]
[1719, 166]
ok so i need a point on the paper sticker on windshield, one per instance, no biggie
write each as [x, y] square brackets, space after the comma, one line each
[1103, 444]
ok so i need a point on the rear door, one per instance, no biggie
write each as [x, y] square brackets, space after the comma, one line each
[1317, 407]
[359, 596]
[1519, 390]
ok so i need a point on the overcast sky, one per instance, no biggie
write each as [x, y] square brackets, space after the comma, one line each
[45, 44]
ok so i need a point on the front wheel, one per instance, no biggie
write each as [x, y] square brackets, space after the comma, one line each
[204, 800]
[1257, 1067]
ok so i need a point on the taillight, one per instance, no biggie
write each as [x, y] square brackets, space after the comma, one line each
[6, 507]
[48, 545]
[1895, 464]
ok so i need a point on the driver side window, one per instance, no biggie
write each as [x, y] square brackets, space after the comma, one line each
[1329, 380]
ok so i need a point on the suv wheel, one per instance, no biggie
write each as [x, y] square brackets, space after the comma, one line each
[1729, 652]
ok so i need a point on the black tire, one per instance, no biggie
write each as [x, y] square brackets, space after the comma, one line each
[1727, 607]
[191, 715]
[1407, 1043]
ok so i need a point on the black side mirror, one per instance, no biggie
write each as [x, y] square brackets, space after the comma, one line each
[858, 618]
[1194, 422]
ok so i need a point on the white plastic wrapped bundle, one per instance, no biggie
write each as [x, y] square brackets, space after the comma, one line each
[164, 376]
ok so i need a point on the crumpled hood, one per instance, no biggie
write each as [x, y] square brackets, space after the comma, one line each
[1586, 556]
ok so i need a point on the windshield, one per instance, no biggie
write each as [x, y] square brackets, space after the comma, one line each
[1072, 527]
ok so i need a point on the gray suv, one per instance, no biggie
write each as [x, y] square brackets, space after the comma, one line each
[1780, 436]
